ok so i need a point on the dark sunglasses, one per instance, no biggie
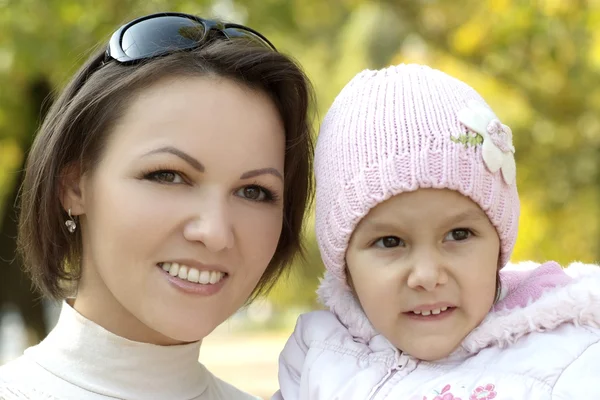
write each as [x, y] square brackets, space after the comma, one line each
[164, 33]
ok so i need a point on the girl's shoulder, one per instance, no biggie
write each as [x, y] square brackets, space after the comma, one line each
[539, 299]
[544, 333]
[562, 362]
[534, 287]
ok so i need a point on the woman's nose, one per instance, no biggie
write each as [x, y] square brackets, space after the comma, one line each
[212, 227]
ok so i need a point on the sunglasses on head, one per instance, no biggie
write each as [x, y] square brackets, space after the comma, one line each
[164, 33]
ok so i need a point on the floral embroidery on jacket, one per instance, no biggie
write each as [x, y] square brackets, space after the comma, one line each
[483, 393]
[486, 392]
[443, 395]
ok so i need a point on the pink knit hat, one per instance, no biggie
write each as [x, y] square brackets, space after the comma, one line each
[400, 129]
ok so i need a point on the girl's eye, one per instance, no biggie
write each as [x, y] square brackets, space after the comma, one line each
[255, 193]
[388, 242]
[458, 235]
[165, 176]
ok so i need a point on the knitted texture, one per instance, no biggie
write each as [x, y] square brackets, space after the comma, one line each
[398, 130]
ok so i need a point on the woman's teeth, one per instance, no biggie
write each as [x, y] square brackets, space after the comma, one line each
[435, 311]
[192, 274]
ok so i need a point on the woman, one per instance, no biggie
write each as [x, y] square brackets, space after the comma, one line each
[165, 189]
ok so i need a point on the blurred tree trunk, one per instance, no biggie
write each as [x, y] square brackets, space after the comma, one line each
[15, 286]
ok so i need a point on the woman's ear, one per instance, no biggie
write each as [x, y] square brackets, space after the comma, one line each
[70, 190]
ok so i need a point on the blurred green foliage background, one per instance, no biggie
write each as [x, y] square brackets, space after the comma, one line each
[537, 62]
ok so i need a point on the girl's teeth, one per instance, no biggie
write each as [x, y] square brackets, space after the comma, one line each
[435, 311]
[191, 274]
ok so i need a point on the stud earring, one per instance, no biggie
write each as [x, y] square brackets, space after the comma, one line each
[71, 223]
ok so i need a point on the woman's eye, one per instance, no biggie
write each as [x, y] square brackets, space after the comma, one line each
[389, 242]
[254, 193]
[170, 177]
[458, 235]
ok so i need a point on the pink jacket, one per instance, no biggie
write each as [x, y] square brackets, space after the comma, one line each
[541, 341]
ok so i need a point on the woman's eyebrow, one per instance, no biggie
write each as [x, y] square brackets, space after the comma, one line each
[179, 153]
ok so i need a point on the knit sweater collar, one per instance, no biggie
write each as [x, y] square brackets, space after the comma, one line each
[85, 354]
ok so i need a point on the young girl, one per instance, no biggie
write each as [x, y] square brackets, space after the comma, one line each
[165, 189]
[417, 212]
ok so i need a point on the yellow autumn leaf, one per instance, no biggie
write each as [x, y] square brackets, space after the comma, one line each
[469, 36]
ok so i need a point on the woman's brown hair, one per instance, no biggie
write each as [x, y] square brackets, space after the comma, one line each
[78, 124]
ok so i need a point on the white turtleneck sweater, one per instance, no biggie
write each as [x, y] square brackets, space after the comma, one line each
[80, 360]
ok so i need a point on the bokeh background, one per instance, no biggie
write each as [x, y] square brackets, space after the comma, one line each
[537, 62]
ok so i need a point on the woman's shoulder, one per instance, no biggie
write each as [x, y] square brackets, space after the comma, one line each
[10, 391]
[14, 371]
[23, 378]
[17, 381]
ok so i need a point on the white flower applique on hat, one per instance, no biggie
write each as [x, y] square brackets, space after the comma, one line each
[497, 149]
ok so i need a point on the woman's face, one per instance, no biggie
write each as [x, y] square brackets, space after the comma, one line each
[184, 211]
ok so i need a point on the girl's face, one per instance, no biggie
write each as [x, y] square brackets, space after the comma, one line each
[184, 211]
[423, 265]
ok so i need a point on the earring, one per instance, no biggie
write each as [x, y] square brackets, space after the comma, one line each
[71, 223]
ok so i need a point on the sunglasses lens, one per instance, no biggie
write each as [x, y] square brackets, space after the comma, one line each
[155, 36]
[234, 33]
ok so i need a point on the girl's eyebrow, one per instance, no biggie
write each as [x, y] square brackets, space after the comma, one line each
[472, 215]
[380, 225]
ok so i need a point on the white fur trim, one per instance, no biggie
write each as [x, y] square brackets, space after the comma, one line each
[577, 303]
[338, 297]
